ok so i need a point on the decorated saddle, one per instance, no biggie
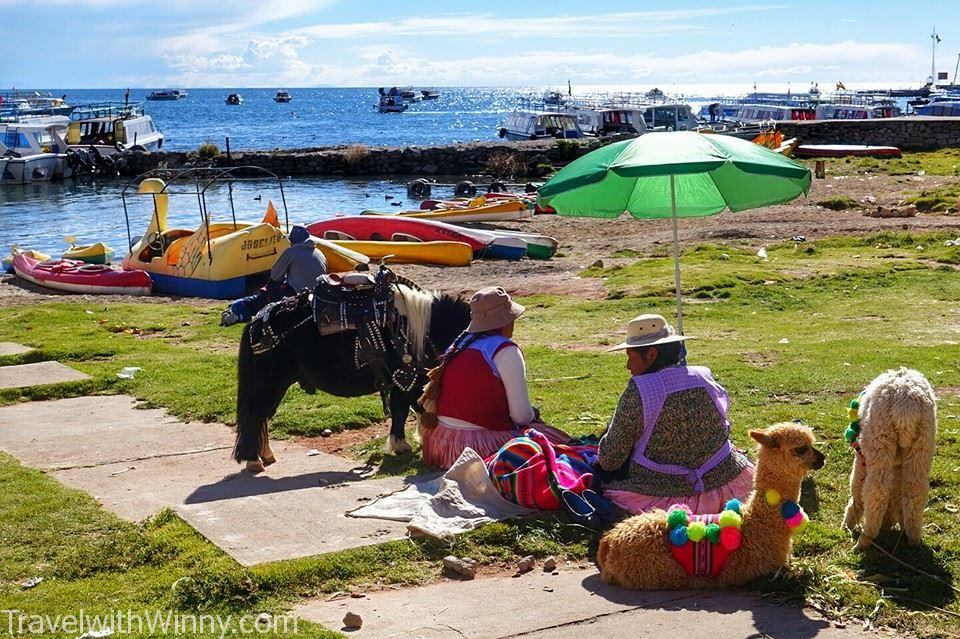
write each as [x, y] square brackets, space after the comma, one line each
[342, 303]
[701, 544]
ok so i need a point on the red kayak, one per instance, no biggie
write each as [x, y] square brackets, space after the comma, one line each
[80, 277]
[398, 228]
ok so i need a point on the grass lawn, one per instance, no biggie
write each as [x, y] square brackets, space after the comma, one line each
[794, 336]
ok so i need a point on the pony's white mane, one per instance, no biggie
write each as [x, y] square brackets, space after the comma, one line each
[416, 306]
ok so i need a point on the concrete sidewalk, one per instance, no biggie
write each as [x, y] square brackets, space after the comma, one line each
[38, 374]
[137, 462]
[571, 605]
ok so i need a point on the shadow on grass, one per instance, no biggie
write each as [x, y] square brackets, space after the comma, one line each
[908, 585]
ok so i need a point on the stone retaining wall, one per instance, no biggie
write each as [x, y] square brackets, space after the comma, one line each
[460, 159]
[913, 133]
[480, 158]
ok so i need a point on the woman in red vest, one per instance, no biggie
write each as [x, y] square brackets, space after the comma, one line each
[482, 401]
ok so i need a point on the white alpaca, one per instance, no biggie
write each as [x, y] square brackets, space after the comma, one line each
[891, 472]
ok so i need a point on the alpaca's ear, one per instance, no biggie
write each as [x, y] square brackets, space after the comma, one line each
[762, 438]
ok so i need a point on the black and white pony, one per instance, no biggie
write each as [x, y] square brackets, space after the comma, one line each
[327, 363]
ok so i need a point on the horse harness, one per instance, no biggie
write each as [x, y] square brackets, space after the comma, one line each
[357, 302]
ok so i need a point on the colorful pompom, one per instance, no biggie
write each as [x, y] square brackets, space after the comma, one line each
[679, 506]
[730, 538]
[734, 505]
[789, 509]
[850, 434]
[678, 536]
[855, 403]
[696, 531]
[728, 518]
[676, 518]
[713, 533]
[772, 497]
[853, 413]
[796, 520]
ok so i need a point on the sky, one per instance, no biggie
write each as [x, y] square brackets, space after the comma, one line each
[61, 44]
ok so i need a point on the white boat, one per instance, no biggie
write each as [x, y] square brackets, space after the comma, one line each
[608, 120]
[167, 94]
[391, 101]
[113, 127]
[32, 103]
[429, 95]
[234, 99]
[940, 108]
[847, 105]
[282, 96]
[34, 153]
[538, 125]
[756, 113]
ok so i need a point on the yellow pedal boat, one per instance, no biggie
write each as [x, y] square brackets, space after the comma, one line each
[440, 252]
[220, 260]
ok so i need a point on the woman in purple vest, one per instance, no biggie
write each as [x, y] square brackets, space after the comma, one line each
[670, 430]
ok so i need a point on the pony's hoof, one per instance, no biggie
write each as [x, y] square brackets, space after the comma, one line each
[396, 445]
[255, 467]
[863, 542]
[268, 461]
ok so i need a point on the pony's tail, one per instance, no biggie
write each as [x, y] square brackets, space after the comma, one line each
[251, 429]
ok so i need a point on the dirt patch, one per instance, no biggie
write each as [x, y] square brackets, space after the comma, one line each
[340, 443]
[948, 390]
[759, 360]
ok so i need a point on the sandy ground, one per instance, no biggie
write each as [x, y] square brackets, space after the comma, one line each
[583, 241]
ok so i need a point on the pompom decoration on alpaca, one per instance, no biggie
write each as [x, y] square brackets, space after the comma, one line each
[676, 518]
[696, 531]
[772, 497]
[678, 536]
[729, 518]
[788, 509]
[713, 533]
[734, 505]
[730, 538]
[684, 507]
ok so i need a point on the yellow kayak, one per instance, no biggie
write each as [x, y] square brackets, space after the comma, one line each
[509, 210]
[441, 253]
[7, 261]
[98, 253]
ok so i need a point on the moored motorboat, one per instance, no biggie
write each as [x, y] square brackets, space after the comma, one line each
[167, 95]
[282, 96]
[34, 153]
[844, 150]
[234, 99]
[406, 229]
[80, 277]
[439, 253]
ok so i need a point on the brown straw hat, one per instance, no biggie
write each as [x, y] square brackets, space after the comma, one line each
[492, 308]
[648, 330]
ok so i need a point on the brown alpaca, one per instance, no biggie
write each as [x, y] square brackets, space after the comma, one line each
[636, 553]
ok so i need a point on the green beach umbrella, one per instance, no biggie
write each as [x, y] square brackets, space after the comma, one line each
[671, 175]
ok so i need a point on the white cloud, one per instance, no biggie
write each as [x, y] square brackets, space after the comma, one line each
[624, 24]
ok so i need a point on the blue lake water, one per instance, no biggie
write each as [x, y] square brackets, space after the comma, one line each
[38, 216]
[317, 117]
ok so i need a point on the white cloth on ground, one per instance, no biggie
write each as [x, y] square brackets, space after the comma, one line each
[461, 499]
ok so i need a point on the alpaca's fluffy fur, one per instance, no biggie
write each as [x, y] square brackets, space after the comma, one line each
[891, 478]
[636, 553]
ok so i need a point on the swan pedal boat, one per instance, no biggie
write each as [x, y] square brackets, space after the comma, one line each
[219, 260]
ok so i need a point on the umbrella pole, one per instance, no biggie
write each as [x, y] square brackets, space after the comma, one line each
[676, 252]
